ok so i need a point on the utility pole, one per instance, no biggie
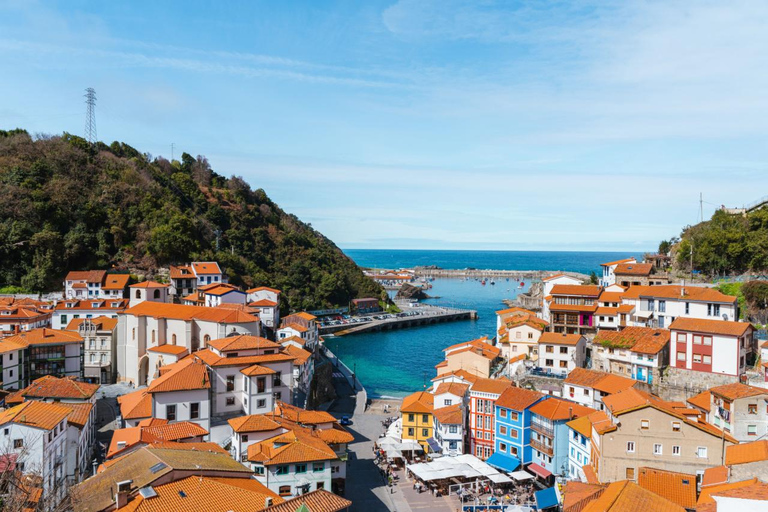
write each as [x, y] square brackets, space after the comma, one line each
[90, 115]
[701, 206]
[172, 146]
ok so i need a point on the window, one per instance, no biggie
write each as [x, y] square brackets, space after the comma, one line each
[550, 349]
[752, 430]
[261, 403]
[453, 429]
[230, 382]
[6, 431]
[424, 418]
[752, 408]
[687, 308]
[563, 350]
[194, 410]
[681, 337]
[425, 432]
[675, 426]
[244, 437]
[503, 447]
[630, 446]
[549, 362]
[513, 415]
[282, 470]
[318, 466]
[514, 348]
[503, 431]
[487, 436]
[707, 340]
[258, 470]
[447, 401]
[230, 400]
[18, 443]
[410, 432]
[277, 379]
[657, 449]
[681, 356]
[707, 359]
[697, 358]
[503, 413]
[645, 424]
[284, 490]
[411, 417]
[513, 433]
[662, 306]
[563, 364]
[630, 473]
[301, 468]
[170, 412]
[676, 451]
[701, 452]
[261, 384]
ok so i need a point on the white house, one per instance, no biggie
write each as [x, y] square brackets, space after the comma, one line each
[12, 367]
[182, 393]
[46, 352]
[589, 387]
[223, 294]
[608, 278]
[448, 429]
[303, 325]
[638, 353]
[150, 324]
[207, 272]
[549, 283]
[95, 284]
[580, 442]
[100, 346]
[659, 306]
[560, 353]
[518, 332]
[148, 291]
[711, 346]
[20, 315]
[267, 300]
[68, 309]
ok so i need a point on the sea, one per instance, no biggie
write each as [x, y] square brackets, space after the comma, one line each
[397, 363]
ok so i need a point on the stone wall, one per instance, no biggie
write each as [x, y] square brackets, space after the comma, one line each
[677, 384]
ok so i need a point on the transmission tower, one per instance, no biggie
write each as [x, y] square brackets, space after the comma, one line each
[90, 115]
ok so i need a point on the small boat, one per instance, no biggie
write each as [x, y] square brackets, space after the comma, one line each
[482, 282]
[507, 279]
[521, 284]
[493, 282]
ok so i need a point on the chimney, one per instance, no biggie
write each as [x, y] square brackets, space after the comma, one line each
[122, 499]
[570, 413]
[267, 502]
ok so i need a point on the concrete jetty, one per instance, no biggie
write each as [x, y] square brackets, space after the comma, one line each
[472, 273]
[427, 315]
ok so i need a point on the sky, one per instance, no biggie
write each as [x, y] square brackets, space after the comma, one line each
[422, 124]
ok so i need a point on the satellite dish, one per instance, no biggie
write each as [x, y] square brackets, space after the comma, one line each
[725, 317]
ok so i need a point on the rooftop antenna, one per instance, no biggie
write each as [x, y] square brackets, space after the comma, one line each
[172, 146]
[90, 115]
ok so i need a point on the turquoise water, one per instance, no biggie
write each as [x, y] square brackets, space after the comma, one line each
[396, 363]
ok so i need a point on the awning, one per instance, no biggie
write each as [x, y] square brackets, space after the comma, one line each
[546, 498]
[434, 445]
[503, 462]
[643, 314]
[521, 475]
[538, 470]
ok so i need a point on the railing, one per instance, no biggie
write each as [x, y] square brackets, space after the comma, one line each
[543, 430]
[542, 447]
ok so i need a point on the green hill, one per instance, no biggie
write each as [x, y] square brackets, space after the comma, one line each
[68, 205]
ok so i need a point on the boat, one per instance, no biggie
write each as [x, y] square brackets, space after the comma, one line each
[522, 284]
[493, 282]
[482, 282]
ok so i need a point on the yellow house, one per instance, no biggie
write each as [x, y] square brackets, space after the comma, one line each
[416, 413]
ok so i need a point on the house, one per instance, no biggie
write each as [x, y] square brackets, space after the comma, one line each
[215, 295]
[303, 325]
[18, 315]
[68, 309]
[135, 407]
[366, 305]
[483, 394]
[182, 393]
[100, 347]
[742, 463]
[609, 278]
[739, 409]
[56, 389]
[81, 436]
[448, 430]
[153, 431]
[659, 306]
[13, 367]
[518, 332]
[122, 481]
[183, 281]
[95, 284]
[36, 432]
[572, 308]
[477, 357]
[549, 283]
[711, 346]
[513, 428]
[589, 387]
[639, 353]
[560, 353]
[207, 272]
[549, 432]
[416, 414]
[580, 444]
[267, 302]
[650, 432]
[148, 324]
[621, 496]
[611, 312]
[47, 352]
[303, 363]
[151, 291]
[638, 274]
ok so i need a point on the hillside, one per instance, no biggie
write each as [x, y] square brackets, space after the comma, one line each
[67, 205]
[726, 244]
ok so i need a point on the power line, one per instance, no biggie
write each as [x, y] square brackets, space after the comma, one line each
[90, 115]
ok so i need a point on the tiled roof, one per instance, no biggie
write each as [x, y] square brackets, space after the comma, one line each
[611, 263]
[624, 496]
[581, 290]
[556, 338]
[101, 323]
[515, 311]
[582, 425]
[678, 488]
[263, 303]
[746, 453]
[454, 388]
[584, 377]
[43, 415]
[253, 423]
[491, 386]
[715, 476]
[184, 375]
[644, 340]
[223, 289]
[175, 350]
[480, 347]
[530, 320]
[688, 293]
[45, 336]
[557, 409]
[79, 415]
[302, 416]
[601, 422]
[518, 399]
[757, 491]
[149, 284]
[555, 276]
[243, 342]
[723, 327]
[295, 327]
[153, 434]
[255, 370]
[263, 288]
[304, 315]
[193, 493]
[702, 400]
[89, 276]
[706, 492]
[92, 305]
[212, 359]
[449, 415]
[334, 435]
[573, 307]
[315, 501]
[182, 312]
[55, 387]
[577, 494]
[737, 390]
[206, 267]
[9, 345]
[419, 402]
[607, 296]
[613, 384]
[135, 405]
[296, 445]
[181, 272]
[633, 269]
[462, 374]
[115, 281]
[300, 355]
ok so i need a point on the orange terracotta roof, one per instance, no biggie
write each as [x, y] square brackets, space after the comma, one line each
[706, 492]
[175, 350]
[737, 390]
[297, 445]
[206, 267]
[556, 338]
[576, 494]
[611, 384]
[315, 501]
[633, 269]
[625, 496]
[757, 491]
[517, 311]
[746, 452]
[334, 435]
[572, 307]
[582, 425]
[263, 303]
[79, 415]
[491, 386]
[303, 416]
[607, 296]
[678, 488]
[702, 400]
[43, 415]
[182, 312]
[181, 272]
[601, 422]
[590, 475]
[263, 288]
[611, 263]
[125, 438]
[255, 370]
[115, 281]
[243, 342]
[300, 355]
[89, 276]
[45, 336]
[449, 415]
[92, 305]
[135, 405]
[478, 347]
[454, 388]
[149, 284]
[212, 359]
[184, 375]
[518, 399]
[419, 402]
[222, 289]
[55, 387]
[644, 340]
[102, 323]
[295, 327]
[462, 374]
[715, 476]
[581, 290]
[723, 327]
[304, 315]
[677, 292]
[555, 276]
[584, 377]
[556, 409]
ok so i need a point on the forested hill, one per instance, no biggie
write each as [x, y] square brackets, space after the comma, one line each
[68, 205]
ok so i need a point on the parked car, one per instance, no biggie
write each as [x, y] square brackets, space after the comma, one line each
[345, 421]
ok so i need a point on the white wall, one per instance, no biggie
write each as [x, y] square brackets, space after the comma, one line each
[182, 399]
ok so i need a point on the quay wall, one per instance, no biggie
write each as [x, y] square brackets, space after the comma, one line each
[479, 273]
[361, 395]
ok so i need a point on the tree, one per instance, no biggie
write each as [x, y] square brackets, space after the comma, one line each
[593, 278]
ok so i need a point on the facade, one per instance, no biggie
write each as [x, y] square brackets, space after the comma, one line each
[513, 424]
[739, 410]
[549, 283]
[267, 302]
[95, 284]
[639, 353]
[13, 366]
[518, 333]
[477, 357]
[560, 353]
[609, 277]
[659, 306]
[67, 310]
[366, 305]
[183, 281]
[416, 414]
[711, 346]
[572, 308]
[483, 394]
[303, 325]
[49, 352]
[550, 432]
[579, 446]
[223, 294]
[182, 392]
[638, 274]
[100, 347]
[23, 315]
[448, 430]
[589, 387]
[611, 312]
[151, 291]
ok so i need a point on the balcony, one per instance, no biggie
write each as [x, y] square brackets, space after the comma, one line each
[543, 430]
[542, 447]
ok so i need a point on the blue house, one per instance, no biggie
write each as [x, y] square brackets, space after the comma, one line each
[513, 428]
[550, 434]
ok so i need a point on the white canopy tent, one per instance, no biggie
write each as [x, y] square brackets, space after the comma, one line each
[465, 466]
[521, 475]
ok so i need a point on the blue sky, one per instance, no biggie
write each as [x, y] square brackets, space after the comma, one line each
[423, 124]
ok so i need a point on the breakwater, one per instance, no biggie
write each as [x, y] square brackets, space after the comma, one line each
[476, 273]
